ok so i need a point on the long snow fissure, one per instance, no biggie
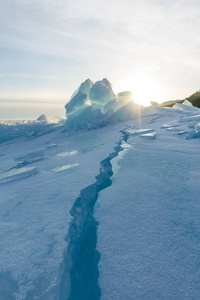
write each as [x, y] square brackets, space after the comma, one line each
[79, 271]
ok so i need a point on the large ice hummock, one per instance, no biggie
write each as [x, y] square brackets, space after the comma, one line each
[95, 105]
[90, 94]
[101, 92]
[78, 99]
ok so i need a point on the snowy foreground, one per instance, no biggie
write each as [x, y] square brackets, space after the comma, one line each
[106, 213]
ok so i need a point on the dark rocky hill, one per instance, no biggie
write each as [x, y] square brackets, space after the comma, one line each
[194, 99]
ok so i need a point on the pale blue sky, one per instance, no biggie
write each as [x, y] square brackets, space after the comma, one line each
[47, 48]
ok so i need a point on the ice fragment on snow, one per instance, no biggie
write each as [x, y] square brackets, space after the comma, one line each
[185, 108]
[56, 119]
[30, 157]
[197, 127]
[51, 146]
[138, 131]
[186, 102]
[151, 135]
[153, 103]
[190, 118]
[65, 167]
[172, 128]
[18, 174]
[67, 153]
[195, 132]
[42, 118]
[169, 125]
[126, 95]
[182, 132]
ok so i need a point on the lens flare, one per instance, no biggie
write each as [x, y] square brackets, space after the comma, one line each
[144, 89]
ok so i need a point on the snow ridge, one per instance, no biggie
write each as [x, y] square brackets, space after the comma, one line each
[79, 279]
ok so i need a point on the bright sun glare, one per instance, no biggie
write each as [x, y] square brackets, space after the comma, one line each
[144, 90]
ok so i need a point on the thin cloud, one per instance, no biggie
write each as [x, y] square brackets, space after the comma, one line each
[82, 39]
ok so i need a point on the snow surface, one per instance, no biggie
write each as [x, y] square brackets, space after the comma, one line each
[111, 212]
[34, 211]
[148, 233]
[18, 174]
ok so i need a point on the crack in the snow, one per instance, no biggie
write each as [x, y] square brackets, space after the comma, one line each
[79, 279]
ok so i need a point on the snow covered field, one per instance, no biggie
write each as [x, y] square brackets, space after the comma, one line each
[102, 213]
[35, 205]
[149, 225]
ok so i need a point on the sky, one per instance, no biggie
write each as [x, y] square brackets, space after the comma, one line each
[48, 47]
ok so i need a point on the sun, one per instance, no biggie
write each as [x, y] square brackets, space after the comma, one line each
[144, 89]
